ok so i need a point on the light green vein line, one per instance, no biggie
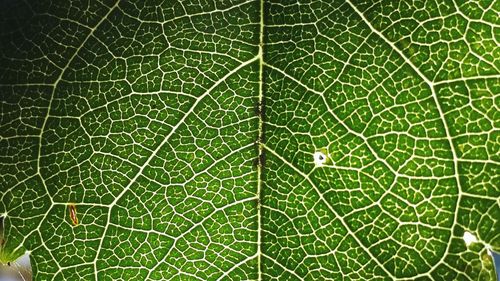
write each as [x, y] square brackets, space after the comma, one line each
[165, 140]
[183, 119]
[282, 266]
[467, 79]
[200, 223]
[44, 124]
[260, 139]
[305, 176]
[447, 130]
[332, 113]
[237, 265]
[56, 83]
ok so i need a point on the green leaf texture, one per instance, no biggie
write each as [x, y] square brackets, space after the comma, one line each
[184, 134]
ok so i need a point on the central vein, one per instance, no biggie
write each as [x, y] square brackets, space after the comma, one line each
[260, 137]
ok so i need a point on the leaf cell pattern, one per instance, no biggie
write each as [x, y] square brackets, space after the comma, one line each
[251, 140]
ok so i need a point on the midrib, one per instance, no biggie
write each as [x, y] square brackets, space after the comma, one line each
[260, 138]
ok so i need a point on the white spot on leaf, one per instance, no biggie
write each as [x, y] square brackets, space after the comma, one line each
[469, 238]
[319, 158]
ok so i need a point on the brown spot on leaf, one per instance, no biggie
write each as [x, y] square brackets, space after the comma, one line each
[72, 214]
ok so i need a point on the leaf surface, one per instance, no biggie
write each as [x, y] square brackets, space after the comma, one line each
[251, 140]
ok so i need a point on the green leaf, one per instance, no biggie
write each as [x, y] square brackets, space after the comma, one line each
[251, 140]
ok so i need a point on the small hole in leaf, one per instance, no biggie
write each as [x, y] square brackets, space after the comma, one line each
[469, 238]
[319, 158]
